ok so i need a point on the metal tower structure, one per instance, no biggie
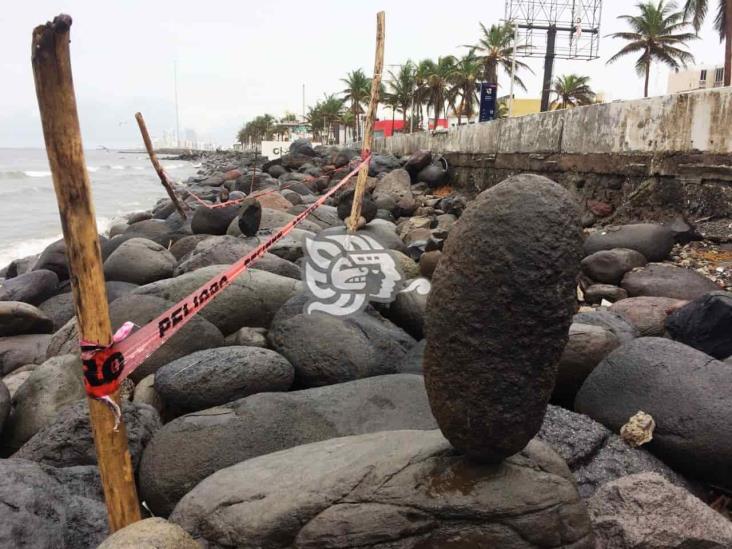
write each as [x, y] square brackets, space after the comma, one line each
[555, 29]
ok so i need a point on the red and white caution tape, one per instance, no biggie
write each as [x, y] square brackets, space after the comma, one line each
[106, 367]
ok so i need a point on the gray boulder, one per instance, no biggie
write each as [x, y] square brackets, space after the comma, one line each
[139, 261]
[17, 351]
[615, 322]
[251, 299]
[33, 287]
[647, 314]
[225, 250]
[39, 510]
[213, 220]
[586, 347]
[682, 389]
[594, 454]
[60, 308]
[395, 184]
[705, 324]
[325, 216]
[412, 361]
[651, 240]
[498, 315]
[51, 387]
[597, 293]
[645, 511]
[433, 175]
[395, 490]
[249, 337]
[217, 376]
[326, 349]
[609, 266]
[17, 318]
[662, 280]
[191, 447]
[407, 312]
[151, 533]
[68, 440]
[5, 405]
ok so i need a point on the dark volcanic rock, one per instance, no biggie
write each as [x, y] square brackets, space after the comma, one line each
[33, 287]
[705, 324]
[433, 175]
[326, 349]
[17, 318]
[499, 313]
[417, 162]
[594, 454]
[682, 389]
[68, 440]
[250, 216]
[302, 146]
[623, 329]
[39, 510]
[17, 351]
[191, 447]
[396, 490]
[5, 405]
[345, 203]
[662, 280]
[653, 241]
[213, 220]
[139, 261]
[60, 308]
[217, 376]
[609, 266]
[586, 347]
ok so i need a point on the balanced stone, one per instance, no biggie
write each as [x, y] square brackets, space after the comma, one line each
[498, 316]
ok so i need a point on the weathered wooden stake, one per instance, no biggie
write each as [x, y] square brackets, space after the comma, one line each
[156, 164]
[57, 103]
[368, 134]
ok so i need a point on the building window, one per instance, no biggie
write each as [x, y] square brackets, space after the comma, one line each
[718, 77]
[703, 75]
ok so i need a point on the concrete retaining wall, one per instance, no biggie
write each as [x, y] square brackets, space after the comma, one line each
[689, 122]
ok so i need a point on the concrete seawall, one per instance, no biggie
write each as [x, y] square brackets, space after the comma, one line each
[646, 158]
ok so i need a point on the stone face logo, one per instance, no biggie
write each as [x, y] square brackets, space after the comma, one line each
[343, 272]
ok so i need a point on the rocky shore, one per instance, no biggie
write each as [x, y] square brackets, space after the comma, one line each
[494, 412]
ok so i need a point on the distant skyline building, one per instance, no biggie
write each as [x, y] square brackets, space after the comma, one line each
[696, 78]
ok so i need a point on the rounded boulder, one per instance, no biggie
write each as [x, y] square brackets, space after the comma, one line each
[217, 376]
[498, 315]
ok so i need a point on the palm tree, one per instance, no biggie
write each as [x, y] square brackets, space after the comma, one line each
[495, 49]
[421, 73]
[655, 33]
[402, 87]
[697, 9]
[572, 90]
[358, 91]
[464, 80]
[436, 82]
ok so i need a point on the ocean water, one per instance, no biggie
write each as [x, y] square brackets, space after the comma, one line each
[122, 182]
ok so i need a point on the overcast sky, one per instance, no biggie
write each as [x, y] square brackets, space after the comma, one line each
[237, 59]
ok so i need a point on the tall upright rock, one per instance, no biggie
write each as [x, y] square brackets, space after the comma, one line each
[498, 315]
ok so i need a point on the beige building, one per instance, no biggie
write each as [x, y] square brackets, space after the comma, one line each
[696, 78]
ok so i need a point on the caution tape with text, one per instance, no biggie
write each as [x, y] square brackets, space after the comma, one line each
[106, 366]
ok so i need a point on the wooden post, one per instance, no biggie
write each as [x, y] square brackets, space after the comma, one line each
[156, 164]
[368, 134]
[57, 104]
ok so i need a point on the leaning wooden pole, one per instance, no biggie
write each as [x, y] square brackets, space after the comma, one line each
[368, 134]
[156, 164]
[57, 103]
